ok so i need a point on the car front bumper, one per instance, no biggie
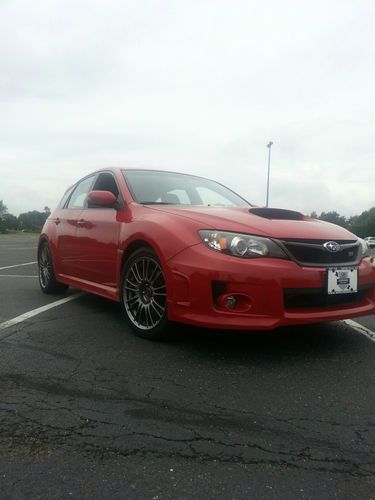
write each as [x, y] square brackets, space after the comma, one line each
[270, 292]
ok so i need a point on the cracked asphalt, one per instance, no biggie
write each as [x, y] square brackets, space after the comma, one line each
[87, 410]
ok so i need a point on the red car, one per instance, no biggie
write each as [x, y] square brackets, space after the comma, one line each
[176, 247]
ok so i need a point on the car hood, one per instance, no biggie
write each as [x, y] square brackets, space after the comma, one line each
[271, 222]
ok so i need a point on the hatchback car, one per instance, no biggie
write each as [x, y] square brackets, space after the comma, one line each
[172, 247]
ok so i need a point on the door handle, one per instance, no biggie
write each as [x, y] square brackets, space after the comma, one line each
[81, 222]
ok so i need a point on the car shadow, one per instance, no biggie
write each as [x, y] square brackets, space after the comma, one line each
[316, 341]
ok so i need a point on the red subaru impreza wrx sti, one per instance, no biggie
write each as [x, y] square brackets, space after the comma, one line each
[179, 248]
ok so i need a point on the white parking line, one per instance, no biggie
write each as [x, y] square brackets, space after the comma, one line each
[35, 312]
[19, 265]
[361, 329]
[17, 276]
[17, 248]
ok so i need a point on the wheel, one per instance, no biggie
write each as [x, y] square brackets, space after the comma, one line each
[144, 295]
[47, 279]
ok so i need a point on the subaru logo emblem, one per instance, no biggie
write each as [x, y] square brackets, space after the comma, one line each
[332, 246]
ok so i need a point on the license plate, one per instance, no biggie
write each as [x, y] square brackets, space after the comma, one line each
[342, 280]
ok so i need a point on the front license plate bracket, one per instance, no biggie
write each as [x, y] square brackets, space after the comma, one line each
[342, 280]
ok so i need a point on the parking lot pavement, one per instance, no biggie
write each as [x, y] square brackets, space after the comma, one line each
[87, 410]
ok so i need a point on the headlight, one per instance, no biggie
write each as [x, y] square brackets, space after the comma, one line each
[365, 248]
[241, 245]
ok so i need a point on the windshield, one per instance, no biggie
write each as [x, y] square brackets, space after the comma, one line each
[150, 187]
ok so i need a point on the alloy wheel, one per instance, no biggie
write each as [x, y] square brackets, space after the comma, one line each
[144, 292]
[45, 267]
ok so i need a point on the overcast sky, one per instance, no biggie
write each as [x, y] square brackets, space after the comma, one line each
[197, 86]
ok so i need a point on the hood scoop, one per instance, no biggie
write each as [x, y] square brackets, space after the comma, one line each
[277, 213]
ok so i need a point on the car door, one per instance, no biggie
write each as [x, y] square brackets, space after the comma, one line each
[66, 221]
[97, 237]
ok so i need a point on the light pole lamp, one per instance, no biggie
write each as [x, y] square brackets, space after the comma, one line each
[268, 173]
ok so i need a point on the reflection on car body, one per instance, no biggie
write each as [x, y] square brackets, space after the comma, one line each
[172, 247]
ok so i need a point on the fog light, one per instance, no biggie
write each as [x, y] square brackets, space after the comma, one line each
[230, 302]
[235, 302]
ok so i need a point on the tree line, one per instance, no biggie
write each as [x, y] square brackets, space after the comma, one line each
[362, 225]
[29, 221]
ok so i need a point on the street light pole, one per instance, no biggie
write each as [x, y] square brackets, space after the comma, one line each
[268, 173]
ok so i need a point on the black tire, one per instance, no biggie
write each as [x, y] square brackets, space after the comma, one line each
[144, 295]
[47, 280]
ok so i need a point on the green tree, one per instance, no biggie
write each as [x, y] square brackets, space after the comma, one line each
[32, 221]
[363, 225]
[3, 212]
[3, 209]
[10, 222]
[335, 218]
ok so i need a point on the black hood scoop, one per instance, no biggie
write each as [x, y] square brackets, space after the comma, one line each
[276, 213]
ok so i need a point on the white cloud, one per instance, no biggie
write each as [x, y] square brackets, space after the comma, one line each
[198, 86]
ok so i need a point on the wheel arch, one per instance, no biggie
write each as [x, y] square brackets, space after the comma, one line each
[132, 247]
[42, 239]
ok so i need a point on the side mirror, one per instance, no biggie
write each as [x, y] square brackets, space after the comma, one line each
[101, 198]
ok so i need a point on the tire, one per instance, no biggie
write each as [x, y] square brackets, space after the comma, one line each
[46, 274]
[144, 295]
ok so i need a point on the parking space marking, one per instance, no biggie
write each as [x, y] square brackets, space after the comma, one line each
[17, 248]
[17, 276]
[19, 265]
[361, 329]
[35, 312]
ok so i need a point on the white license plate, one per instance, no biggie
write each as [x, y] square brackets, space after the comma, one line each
[342, 280]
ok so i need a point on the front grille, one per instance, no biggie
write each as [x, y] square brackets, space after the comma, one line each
[313, 253]
[295, 298]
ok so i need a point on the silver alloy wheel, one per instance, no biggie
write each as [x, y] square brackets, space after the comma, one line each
[45, 267]
[144, 292]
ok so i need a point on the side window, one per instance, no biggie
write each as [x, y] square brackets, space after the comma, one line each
[65, 198]
[78, 198]
[106, 182]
